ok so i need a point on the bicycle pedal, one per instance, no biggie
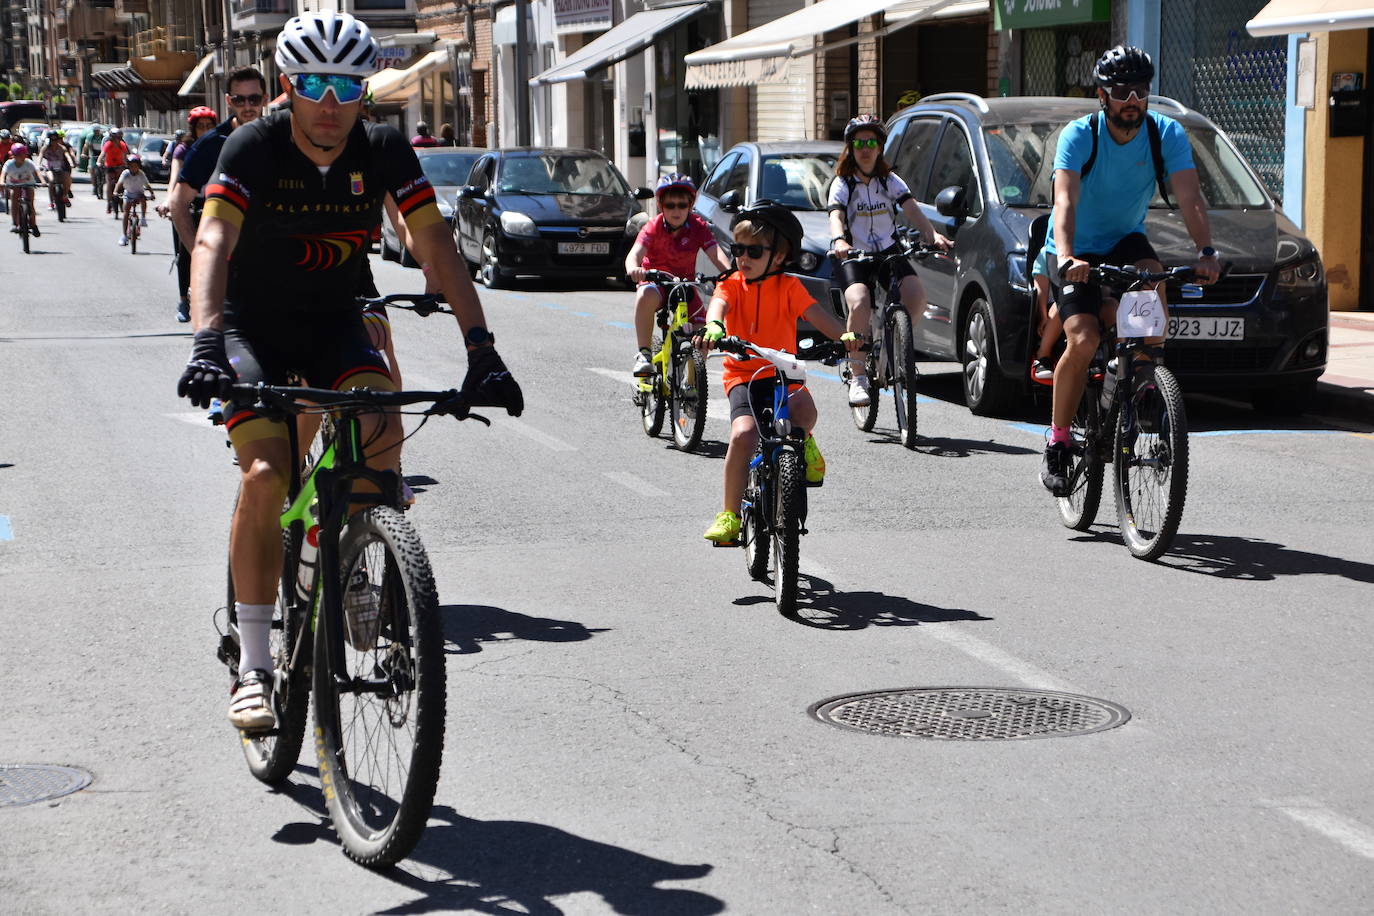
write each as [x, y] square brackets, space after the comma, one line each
[815, 483]
[734, 543]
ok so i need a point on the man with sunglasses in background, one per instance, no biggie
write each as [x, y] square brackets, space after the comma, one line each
[276, 266]
[1099, 218]
[245, 98]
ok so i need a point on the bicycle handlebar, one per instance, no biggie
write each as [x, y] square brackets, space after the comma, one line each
[422, 304]
[910, 243]
[660, 276]
[293, 400]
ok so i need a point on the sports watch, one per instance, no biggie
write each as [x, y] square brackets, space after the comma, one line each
[478, 336]
[1208, 252]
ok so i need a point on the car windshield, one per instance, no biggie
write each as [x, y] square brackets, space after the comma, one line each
[797, 180]
[553, 173]
[1022, 157]
[447, 168]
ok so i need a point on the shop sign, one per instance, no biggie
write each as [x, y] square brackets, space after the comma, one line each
[581, 16]
[748, 72]
[393, 57]
[1038, 14]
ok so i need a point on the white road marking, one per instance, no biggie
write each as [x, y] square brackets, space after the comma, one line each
[1312, 814]
[717, 409]
[553, 443]
[635, 484]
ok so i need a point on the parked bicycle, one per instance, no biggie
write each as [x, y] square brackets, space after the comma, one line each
[364, 636]
[678, 385]
[23, 215]
[773, 513]
[1132, 418]
[891, 361]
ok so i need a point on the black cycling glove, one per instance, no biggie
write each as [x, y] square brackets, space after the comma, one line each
[208, 373]
[489, 383]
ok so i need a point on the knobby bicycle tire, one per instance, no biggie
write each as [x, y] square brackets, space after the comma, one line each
[1151, 466]
[364, 740]
[689, 393]
[1087, 430]
[754, 527]
[23, 220]
[652, 406]
[133, 240]
[866, 417]
[904, 377]
[786, 529]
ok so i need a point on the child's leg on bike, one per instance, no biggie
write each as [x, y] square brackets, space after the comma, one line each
[648, 298]
[860, 305]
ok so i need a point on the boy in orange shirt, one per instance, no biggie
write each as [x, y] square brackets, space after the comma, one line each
[761, 304]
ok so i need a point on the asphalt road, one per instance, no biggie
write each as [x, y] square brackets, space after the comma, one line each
[628, 728]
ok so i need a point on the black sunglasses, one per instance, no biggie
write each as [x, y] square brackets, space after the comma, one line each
[753, 251]
[675, 206]
[253, 100]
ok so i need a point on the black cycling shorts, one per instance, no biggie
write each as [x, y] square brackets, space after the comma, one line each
[1086, 298]
[759, 392]
[885, 272]
[323, 351]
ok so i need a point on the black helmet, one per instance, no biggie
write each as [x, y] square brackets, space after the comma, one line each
[865, 122]
[780, 219]
[1122, 66]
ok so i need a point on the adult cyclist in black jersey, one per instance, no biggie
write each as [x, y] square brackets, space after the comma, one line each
[275, 268]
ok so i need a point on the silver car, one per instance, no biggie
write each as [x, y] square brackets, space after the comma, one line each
[447, 169]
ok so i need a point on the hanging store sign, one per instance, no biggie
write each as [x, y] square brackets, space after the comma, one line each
[571, 16]
[1038, 14]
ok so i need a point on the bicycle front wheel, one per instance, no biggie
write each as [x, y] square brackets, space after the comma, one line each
[379, 725]
[753, 529]
[1151, 466]
[59, 199]
[787, 529]
[904, 377]
[866, 417]
[1078, 510]
[688, 405]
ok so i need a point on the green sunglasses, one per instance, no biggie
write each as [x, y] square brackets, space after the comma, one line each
[865, 144]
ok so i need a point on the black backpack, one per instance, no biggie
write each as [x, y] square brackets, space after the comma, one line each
[1156, 150]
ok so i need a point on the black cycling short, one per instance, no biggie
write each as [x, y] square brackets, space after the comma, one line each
[852, 272]
[1086, 298]
[759, 392]
[333, 351]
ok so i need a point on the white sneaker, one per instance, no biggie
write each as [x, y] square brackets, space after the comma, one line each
[123, 240]
[250, 702]
[363, 604]
[643, 367]
[858, 391]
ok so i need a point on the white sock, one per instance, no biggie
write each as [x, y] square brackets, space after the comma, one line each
[255, 629]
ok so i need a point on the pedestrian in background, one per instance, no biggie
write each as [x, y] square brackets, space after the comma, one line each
[446, 135]
[422, 136]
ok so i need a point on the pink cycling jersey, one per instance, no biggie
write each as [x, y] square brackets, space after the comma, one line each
[675, 252]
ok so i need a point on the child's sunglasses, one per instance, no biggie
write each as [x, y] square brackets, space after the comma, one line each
[313, 86]
[753, 251]
[866, 144]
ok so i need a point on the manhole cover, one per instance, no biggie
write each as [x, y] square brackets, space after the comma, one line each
[971, 713]
[24, 785]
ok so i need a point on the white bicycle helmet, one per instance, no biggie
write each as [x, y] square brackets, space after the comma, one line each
[326, 43]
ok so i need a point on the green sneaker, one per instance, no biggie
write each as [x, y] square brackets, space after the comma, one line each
[815, 461]
[725, 530]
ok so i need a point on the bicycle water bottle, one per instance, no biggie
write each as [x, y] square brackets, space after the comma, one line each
[1108, 387]
[309, 553]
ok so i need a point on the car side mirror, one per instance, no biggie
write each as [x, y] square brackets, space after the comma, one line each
[951, 203]
[471, 192]
[731, 201]
[643, 193]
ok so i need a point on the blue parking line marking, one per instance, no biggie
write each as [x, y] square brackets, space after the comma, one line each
[6, 532]
[1032, 428]
[1039, 430]
[621, 324]
[583, 314]
[555, 306]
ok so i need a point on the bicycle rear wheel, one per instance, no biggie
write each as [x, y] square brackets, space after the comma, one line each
[753, 529]
[651, 402]
[1151, 465]
[904, 378]
[380, 744]
[1078, 510]
[688, 405]
[787, 529]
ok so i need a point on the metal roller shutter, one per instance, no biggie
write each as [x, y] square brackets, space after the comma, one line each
[781, 111]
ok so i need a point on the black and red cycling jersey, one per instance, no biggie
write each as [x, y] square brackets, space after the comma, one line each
[304, 235]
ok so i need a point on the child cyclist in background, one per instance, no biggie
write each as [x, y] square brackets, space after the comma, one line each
[669, 242]
[760, 304]
[137, 189]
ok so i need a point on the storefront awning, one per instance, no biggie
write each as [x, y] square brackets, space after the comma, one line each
[395, 84]
[625, 40]
[126, 78]
[197, 74]
[763, 55]
[1283, 17]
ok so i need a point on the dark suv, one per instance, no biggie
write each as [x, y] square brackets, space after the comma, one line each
[982, 169]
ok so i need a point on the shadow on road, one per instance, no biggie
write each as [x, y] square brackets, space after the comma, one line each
[943, 447]
[824, 607]
[1256, 560]
[513, 867]
[468, 626]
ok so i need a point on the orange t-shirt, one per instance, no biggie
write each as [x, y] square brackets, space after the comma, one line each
[764, 314]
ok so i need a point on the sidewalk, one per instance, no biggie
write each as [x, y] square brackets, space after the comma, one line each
[1349, 379]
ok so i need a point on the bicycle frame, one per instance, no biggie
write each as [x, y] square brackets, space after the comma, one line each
[776, 433]
[672, 317]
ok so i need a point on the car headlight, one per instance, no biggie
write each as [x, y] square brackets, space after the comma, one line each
[808, 261]
[635, 223]
[1302, 277]
[518, 224]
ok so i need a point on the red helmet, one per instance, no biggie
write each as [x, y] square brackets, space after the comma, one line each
[675, 182]
[199, 112]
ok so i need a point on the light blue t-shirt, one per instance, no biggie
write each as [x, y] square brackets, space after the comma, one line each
[1113, 201]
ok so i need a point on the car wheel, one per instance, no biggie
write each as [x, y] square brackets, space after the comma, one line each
[1283, 401]
[406, 259]
[489, 272]
[388, 254]
[986, 390]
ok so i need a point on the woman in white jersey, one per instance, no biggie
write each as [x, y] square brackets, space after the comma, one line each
[865, 198]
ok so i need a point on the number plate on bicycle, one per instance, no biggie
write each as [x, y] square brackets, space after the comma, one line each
[1140, 314]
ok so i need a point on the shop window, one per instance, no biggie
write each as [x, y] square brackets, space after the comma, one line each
[954, 167]
[912, 157]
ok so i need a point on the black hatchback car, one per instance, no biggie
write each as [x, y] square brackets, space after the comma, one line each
[982, 169]
[547, 213]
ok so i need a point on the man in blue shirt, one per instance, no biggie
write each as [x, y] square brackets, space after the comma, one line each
[1100, 219]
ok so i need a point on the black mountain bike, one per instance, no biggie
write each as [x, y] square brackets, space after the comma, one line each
[891, 360]
[23, 215]
[773, 513]
[678, 385]
[364, 637]
[57, 195]
[1132, 418]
